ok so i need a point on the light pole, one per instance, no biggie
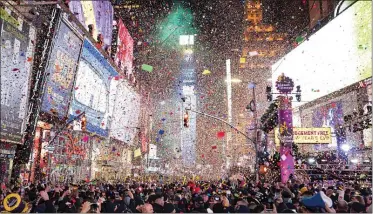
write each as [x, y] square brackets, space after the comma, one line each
[252, 85]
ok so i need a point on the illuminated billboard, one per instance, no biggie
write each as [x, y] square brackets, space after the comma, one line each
[97, 13]
[126, 112]
[17, 50]
[94, 87]
[62, 67]
[123, 50]
[334, 57]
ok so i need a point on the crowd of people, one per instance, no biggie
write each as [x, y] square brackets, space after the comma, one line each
[223, 196]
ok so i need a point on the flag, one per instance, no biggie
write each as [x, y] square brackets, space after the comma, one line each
[318, 200]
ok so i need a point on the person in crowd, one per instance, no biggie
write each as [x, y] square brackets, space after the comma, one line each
[342, 206]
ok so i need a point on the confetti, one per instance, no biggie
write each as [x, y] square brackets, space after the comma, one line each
[206, 72]
[147, 68]
[221, 134]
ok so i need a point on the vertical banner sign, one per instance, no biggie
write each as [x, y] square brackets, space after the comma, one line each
[285, 120]
[122, 51]
[17, 49]
[62, 66]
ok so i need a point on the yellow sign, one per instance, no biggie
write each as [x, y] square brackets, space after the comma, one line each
[308, 135]
[242, 60]
[137, 153]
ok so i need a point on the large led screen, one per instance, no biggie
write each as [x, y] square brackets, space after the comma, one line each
[124, 53]
[126, 113]
[92, 90]
[62, 66]
[17, 50]
[334, 57]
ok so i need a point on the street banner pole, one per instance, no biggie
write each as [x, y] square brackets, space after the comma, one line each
[285, 119]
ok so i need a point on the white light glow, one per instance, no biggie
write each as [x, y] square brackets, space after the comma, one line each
[334, 57]
[186, 40]
[311, 160]
[234, 80]
[345, 147]
[188, 51]
[354, 161]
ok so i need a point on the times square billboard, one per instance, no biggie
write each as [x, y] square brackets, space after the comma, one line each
[122, 47]
[97, 13]
[17, 51]
[337, 55]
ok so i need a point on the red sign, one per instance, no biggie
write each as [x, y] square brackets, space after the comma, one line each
[124, 54]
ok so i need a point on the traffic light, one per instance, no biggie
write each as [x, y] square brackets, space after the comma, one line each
[84, 123]
[269, 93]
[186, 120]
[298, 95]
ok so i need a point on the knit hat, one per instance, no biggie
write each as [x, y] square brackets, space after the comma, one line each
[168, 208]
[13, 203]
[357, 207]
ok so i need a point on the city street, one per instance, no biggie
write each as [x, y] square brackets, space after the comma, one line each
[186, 106]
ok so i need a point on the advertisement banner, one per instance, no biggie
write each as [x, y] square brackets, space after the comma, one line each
[126, 113]
[97, 13]
[62, 66]
[93, 85]
[123, 57]
[17, 50]
[341, 54]
[308, 135]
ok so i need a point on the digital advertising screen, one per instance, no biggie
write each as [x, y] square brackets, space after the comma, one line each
[93, 86]
[337, 55]
[126, 113]
[17, 50]
[98, 13]
[62, 67]
[124, 52]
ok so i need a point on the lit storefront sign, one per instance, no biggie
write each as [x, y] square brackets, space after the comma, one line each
[308, 136]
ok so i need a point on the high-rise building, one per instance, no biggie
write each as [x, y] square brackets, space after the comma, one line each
[269, 30]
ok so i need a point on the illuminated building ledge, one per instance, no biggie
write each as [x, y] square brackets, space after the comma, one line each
[127, 6]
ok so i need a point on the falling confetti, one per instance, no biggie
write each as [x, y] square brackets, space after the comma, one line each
[147, 68]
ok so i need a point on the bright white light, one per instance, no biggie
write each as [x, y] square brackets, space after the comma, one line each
[338, 57]
[186, 40]
[188, 51]
[311, 160]
[345, 147]
[234, 81]
[323, 160]
[354, 161]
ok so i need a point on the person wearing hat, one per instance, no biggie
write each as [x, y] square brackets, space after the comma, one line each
[199, 205]
[169, 208]
[357, 207]
[158, 205]
[13, 203]
[303, 190]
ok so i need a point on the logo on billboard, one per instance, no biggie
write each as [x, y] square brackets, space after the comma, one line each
[284, 84]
